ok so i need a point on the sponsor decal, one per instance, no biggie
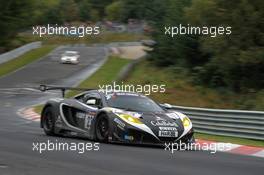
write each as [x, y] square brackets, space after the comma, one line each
[88, 121]
[168, 133]
[163, 123]
[159, 118]
[92, 113]
[108, 96]
[173, 115]
[167, 128]
[80, 115]
[120, 124]
[134, 114]
[127, 137]
[128, 94]
[87, 117]
[110, 138]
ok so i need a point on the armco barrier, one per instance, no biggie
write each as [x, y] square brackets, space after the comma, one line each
[19, 51]
[235, 123]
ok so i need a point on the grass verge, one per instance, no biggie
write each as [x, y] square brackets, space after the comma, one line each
[181, 91]
[105, 75]
[94, 39]
[24, 59]
[227, 139]
[38, 108]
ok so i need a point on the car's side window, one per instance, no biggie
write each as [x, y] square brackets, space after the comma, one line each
[93, 99]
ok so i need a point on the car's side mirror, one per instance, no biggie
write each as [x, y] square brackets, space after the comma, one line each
[42, 87]
[100, 106]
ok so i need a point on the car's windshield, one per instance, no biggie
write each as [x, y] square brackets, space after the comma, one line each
[70, 54]
[133, 103]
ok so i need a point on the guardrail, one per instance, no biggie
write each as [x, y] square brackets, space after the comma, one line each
[19, 51]
[235, 123]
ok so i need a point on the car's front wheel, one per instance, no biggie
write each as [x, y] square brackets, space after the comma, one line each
[48, 121]
[102, 128]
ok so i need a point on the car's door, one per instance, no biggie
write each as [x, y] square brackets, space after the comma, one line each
[93, 103]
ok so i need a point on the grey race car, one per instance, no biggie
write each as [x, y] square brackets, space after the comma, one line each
[114, 117]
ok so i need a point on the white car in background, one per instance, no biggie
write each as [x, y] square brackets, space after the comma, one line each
[71, 57]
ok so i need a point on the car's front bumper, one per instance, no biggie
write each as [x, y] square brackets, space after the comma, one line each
[133, 135]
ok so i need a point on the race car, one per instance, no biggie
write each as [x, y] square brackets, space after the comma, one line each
[71, 57]
[114, 116]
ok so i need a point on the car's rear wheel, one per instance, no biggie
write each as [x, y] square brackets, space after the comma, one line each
[102, 128]
[48, 121]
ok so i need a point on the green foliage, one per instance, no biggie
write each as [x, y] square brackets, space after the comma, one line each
[236, 60]
[99, 7]
[138, 9]
[228, 139]
[69, 10]
[85, 8]
[52, 16]
[24, 59]
[105, 75]
[180, 89]
[114, 11]
[180, 49]
[14, 16]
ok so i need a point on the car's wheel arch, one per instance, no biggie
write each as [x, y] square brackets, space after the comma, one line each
[109, 118]
[48, 105]
[98, 115]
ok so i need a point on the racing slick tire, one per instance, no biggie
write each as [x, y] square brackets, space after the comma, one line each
[48, 121]
[102, 128]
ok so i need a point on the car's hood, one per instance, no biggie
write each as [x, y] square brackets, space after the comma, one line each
[163, 121]
[155, 123]
[70, 57]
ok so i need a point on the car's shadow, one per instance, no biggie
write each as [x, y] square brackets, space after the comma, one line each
[79, 139]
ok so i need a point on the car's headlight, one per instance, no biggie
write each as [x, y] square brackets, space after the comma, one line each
[186, 122]
[130, 118]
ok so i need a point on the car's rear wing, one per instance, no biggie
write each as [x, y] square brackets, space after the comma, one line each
[44, 88]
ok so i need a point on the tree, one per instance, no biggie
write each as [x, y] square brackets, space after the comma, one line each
[137, 9]
[85, 8]
[179, 49]
[236, 60]
[14, 16]
[114, 11]
[69, 10]
[99, 7]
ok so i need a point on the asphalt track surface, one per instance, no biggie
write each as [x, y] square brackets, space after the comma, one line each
[17, 135]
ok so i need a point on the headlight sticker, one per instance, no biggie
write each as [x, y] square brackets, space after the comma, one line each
[129, 118]
[173, 115]
[186, 122]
